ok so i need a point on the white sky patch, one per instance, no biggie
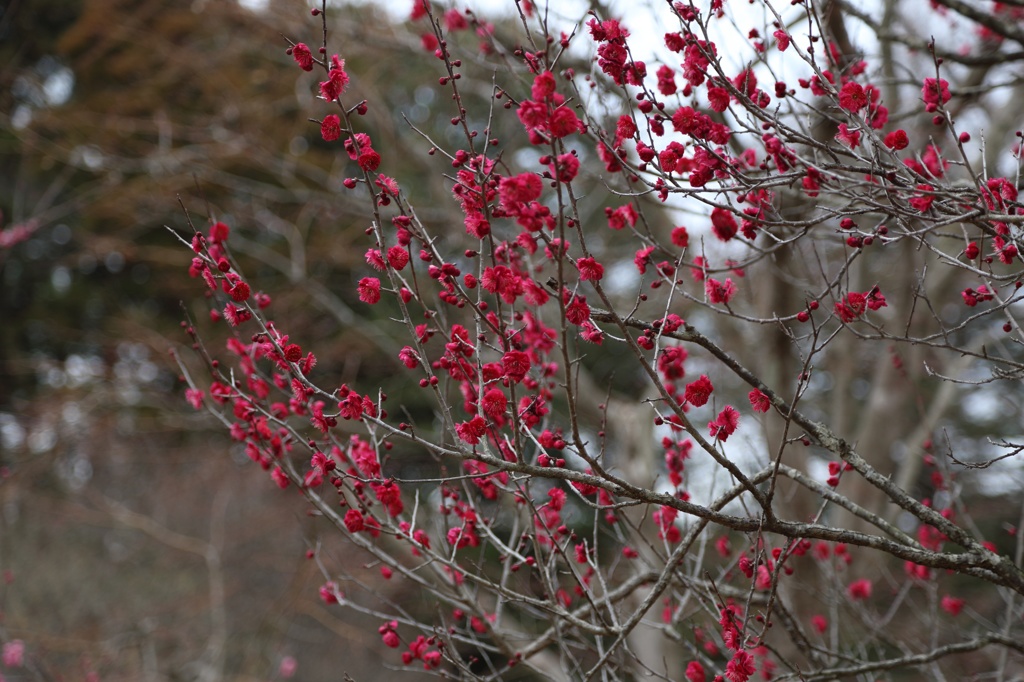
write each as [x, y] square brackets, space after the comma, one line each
[254, 5]
[21, 117]
[705, 479]
[12, 434]
[817, 469]
[58, 86]
[621, 278]
[981, 406]
[1004, 477]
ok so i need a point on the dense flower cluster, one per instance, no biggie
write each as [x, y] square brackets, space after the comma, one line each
[510, 315]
